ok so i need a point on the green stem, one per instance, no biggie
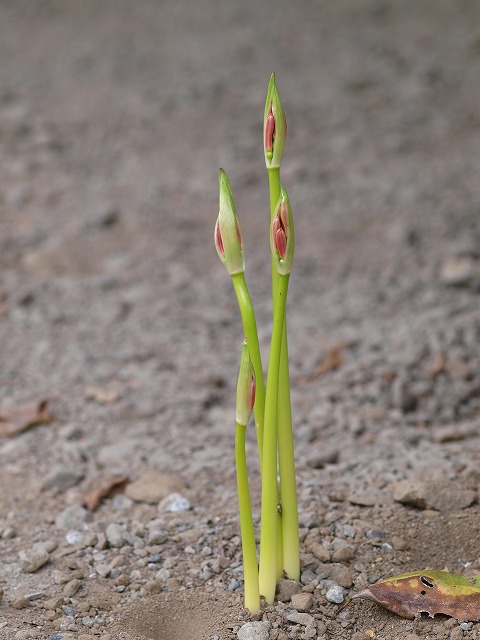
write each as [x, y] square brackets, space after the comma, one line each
[286, 463]
[288, 485]
[250, 330]
[268, 537]
[250, 566]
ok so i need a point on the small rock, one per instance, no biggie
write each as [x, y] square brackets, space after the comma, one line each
[367, 498]
[399, 544]
[61, 478]
[114, 533]
[302, 601]
[324, 457]
[21, 603]
[254, 631]
[457, 271]
[48, 545]
[344, 554]
[103, 569]
[433, 495]
[402, 396]
[340, 574]
[456, 634]
[72, 517]
[71, 588]
[301, 618]
[320, 552]
[33, 559]
[52, 603]
[174, 502]
[287, 588]
[466, 626]
[157, 536]
[153, 486]
[361, 635]
[335, 594]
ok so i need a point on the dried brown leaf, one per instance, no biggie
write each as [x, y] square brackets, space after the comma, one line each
[16, 421]
[94, 498]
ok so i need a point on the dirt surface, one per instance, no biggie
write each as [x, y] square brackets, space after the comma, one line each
[114, 118]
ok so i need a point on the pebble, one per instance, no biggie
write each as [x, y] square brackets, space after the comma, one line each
[340, 574]
[254, 631]
[157, 536]
[33, 559]
[320, 552]
[174, 502]
[61, 478]
[71, 588]
[115, 535]
[344, 554]
[302, 601]
[466, 626]
[301, 618]
[456, 634]
[287, 588]
[335, 594]
[72, 517]
[457, 271]
[153, 486]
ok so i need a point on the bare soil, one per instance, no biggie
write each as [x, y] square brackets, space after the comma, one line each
[114, 119]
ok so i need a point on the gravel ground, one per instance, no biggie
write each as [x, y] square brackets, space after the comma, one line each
[114, 308]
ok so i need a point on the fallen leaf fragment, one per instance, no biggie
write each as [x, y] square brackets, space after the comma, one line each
[331, 361]
[428, 591]
[102, 395]
[94, 499]
[16, 421]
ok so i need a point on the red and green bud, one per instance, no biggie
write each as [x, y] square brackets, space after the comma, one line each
[282, 237]
[245, 387]
[274, 127]
[228, 236]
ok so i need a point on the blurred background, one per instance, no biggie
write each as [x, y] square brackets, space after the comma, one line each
[114, 119]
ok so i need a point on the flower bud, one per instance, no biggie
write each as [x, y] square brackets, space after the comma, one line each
[245, 388]
[227, 235]
[282, 234]
[274, 127]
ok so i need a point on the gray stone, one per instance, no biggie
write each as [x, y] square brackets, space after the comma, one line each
[301, 618]
[287, 588]
[61, 478]
[115, 535]
[33, 559]
[174, 502]
[72, 517]
[153, 486]
[335, 594]
[340, 574]
[254, 631]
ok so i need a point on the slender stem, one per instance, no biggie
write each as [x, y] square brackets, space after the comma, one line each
[286, 463]
[268, 537]
[250, 566]
[274, 189]
[250, 330]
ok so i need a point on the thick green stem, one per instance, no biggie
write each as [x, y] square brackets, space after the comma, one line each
[288, 487]
[250, 566]
[250, 330]
[268, 537]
